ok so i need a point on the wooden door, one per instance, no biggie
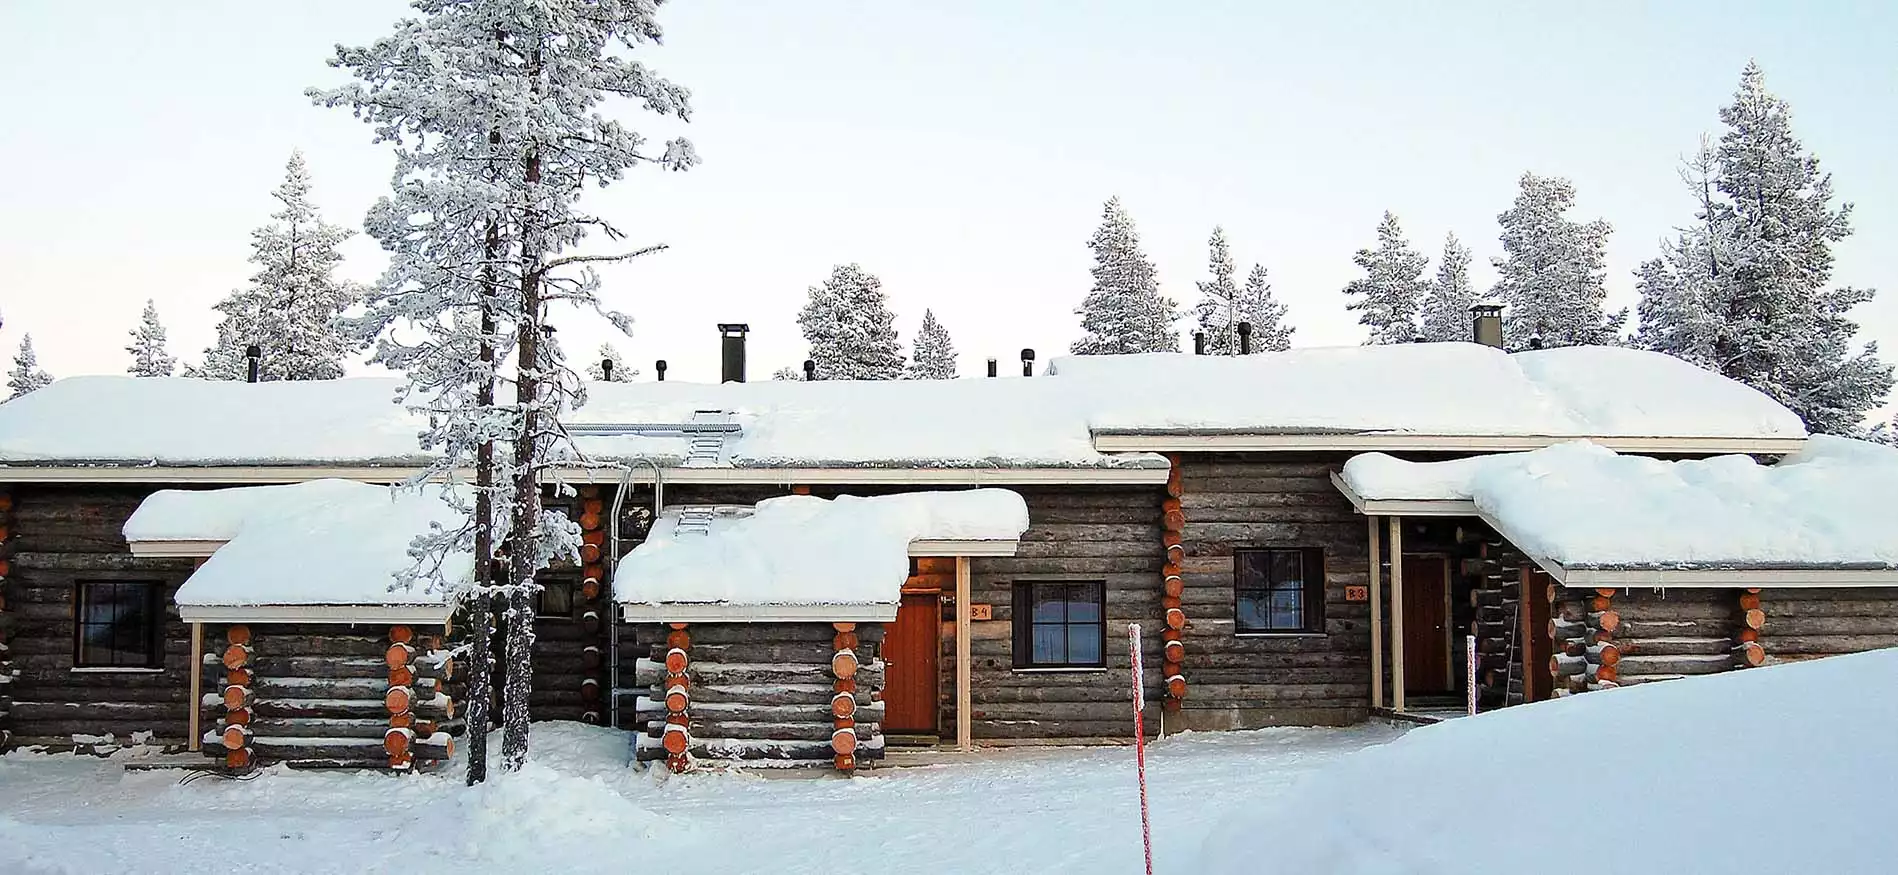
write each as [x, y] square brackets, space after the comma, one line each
[1427, 625]
[910, 649]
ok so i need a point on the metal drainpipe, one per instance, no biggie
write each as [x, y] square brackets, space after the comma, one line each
[612, 574]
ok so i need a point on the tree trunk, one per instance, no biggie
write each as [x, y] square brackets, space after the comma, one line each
[480, 606]
[523, 537]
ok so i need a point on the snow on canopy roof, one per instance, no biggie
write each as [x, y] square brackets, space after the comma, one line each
[1427, 388]
[1449, 389]
[1579, 506]
[799, 550]
[323, 542]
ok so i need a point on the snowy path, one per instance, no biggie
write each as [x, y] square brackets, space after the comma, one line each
[575, 809]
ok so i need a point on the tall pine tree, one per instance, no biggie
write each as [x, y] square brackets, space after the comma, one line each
[596, 369]
[850, 329]
[1257, 305]
[1218, 306]
[149, 358]
[1124, 312]
[290, 307]
[1747, 290]
[26, 375]
[934, 357]
[1552, 273]
[497, 111]
[1446, 307]
[1387, 297]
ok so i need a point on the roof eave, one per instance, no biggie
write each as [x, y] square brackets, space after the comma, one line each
[1152, 441]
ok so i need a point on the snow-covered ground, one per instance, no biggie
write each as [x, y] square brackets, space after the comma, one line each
[577, 809]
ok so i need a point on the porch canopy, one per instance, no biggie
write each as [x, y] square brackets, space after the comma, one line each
[800, 558]
[323, 551]
[1593, 518]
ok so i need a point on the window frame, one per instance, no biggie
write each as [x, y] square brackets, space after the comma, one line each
[154, 624]
[1022, 623]
[567, 584]
[1311, 590]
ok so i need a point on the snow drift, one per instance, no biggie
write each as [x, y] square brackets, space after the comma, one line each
[1777, 770]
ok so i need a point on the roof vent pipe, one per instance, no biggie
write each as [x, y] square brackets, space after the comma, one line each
[732, 349]
[253, 362]
[606, 370]
[1199, 343]
[1487, 327]
[810, 370]
[1245, 338]
[1027, 362]
[659, 367]
[991, 367]
[1535, 341]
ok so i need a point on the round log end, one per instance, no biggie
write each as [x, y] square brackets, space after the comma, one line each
[1609, 621]
[1749, 601]
[844, 664]
[1176, 687]
[236, 655]
[1755, 619]
[401, 634]
[1752, 654]
[679, 638]
[237, 635]
[1175, 618]
[844, 685]
[843, 705]
[844, 627]
[1173, 521]
[590, 520]
[844, 641]
[398, 700]
[239, 717]
[675, 661]
[1747, 635]
[398, 654]
[401, 676]
[589, 690]
[1174, 587]
[676, 742]
[236, 737]
[844, 740]
[396, 743]
[239, 677]
[1173, 651]
[236, 697]
[1610, 655]
[237, 759]
[589, 553]
[590, 589]
[1608, 673]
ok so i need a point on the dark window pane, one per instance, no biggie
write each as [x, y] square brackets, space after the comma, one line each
[1050, 607]
[1050, 645]
[1249, 568]
[1251, 612]
[1287, 609]
[1082, 607]
[116, 624]
[1084, 645]
[1287, 567]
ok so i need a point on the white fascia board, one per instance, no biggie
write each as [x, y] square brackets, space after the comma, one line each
[963, 548]
[420, 614]
[1726, 578]
[273, 474]
[1111, 442]
[176, 549]
[1403, 506]
[725, 613]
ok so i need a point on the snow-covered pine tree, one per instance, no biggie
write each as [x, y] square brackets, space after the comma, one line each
[934, 357]
[1391, 290]
[1124, 312]
[596, 369]
[1217, 309]
[1446, 307]
[290, 306]
[787, 373]
[1257, 305]
[495, 109]
[850, 329]
[149, 358]
[1552, 273]
[26, 375]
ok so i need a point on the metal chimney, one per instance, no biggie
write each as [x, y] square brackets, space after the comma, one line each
[732, 349]
[1199, 343]
[253, 362]
[1027, 362]
[1487, 325]
[991, 367]
[1245, 338]
[810, 370]
[659, 367]
[606, 370]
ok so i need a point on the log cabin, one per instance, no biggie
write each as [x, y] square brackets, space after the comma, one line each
[1228, 505]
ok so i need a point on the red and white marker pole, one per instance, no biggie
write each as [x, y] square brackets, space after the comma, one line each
[1140, 742]
[1469, 651]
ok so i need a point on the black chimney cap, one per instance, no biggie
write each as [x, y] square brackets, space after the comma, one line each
[810, 369]
[1245, 328]
[734, 328]
[253, 351]
[1027, 355]
[1486, 309]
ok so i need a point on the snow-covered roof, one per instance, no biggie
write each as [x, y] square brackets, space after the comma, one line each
[1399, 395]
[1587, 514]
[800, 557]
[320, 550]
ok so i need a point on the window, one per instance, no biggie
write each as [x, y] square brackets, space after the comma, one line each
[1060, 624]
[1278, 591]
[118, 622]
[556, 599]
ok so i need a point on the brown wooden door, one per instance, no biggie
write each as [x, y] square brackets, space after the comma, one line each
[1426, 625]
[910, 648]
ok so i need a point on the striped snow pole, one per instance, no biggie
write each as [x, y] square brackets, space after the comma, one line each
[1140, 739]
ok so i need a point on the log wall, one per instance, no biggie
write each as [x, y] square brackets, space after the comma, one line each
[1809, 623]
[1078, 534]
[756, 694]
[58, 536]
[1242, 681]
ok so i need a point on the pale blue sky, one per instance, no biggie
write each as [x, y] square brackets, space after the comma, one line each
[960, 150]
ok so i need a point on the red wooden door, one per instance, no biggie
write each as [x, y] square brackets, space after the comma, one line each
[1426, 625]
[910, 649]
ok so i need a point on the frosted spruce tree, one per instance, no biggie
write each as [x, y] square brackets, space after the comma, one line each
[149, 358]
[850, 329]
[1389, 294]
[290, 306]
[1217, 310]
[498, 113]
[1446, 306]
[596, 369]
[26, 375]
[1746, 290]
[1124, 312]
[934, 357]
[1553, 269]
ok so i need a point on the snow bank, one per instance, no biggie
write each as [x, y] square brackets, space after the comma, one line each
[1583, 506]
[1798, 751]
[1049, 421]
[1383, 477]
[801, 550]
[324, 542]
